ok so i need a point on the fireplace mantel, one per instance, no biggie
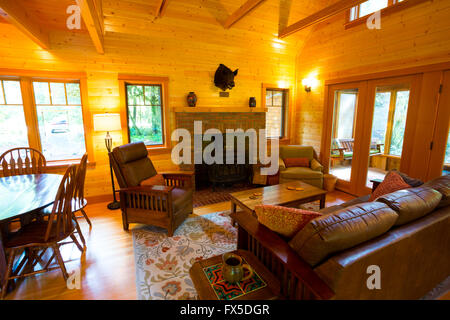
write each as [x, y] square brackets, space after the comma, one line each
[218, 109]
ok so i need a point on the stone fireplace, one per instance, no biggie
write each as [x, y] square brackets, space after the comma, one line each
[210, 175]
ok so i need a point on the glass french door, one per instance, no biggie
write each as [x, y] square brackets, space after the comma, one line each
[390, 112]
[342, 138]
[439, 163]
[369, 130]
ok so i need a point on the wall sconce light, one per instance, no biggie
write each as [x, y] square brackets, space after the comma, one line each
[309, 83]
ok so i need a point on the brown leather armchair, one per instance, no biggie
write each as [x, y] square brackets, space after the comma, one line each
[163, 200]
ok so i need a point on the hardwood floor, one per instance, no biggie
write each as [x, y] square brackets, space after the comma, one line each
[107, 267]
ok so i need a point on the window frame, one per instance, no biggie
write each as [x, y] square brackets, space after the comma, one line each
[163, 82]
[390, 123]
[286, 112]
[26, 79]
[393, 6]
[338, 108]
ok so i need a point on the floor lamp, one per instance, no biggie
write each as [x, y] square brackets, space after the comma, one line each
[109, 122]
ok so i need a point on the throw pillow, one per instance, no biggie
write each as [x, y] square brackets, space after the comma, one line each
[283, 220]
[296, 162]
[391, 183]
[411, 181]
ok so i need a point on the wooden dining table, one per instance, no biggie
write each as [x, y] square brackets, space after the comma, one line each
[21, 196]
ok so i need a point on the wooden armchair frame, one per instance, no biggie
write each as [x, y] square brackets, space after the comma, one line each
[154, 204]
[298, 280]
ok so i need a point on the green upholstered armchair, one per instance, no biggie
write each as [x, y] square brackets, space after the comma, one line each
[312, 175]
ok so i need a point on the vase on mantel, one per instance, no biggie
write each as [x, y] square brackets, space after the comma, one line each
[192, 99]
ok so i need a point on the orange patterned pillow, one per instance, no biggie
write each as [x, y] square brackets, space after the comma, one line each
[391, 183]
[286, 221]
[296, 162]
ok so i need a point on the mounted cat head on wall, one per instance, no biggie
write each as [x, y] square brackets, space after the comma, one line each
[224, 77]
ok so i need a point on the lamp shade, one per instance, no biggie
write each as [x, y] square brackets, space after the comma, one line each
[107, 122]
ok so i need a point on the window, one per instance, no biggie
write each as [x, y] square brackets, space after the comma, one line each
[145, 110]
[447, 157]
[43, 113]
[386, 6]
[345, 114]
[276, 101]
[60, 119]
[389, 120]
[13, 128]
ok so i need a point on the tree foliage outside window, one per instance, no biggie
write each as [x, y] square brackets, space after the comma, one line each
[447, 150]
[399, 123]
[389, 120]
[145, 122]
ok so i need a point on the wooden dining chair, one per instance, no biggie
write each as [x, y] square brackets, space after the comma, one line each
[20, 161]
[38, 236]
[79, 202]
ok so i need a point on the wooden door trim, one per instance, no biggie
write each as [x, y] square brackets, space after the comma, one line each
[441, 129]
[389, 73]
[325, 150]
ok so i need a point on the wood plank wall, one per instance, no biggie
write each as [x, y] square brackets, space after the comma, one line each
[186, 45]
[413, 37]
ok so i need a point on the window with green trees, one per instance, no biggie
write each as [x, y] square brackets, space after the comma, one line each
[145, 113]
[389, 119]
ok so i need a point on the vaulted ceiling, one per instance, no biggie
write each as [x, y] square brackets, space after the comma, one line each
[263, 19]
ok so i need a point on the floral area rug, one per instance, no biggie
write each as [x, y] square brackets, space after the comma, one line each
[163, 263]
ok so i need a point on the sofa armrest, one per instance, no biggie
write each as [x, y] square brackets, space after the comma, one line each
[256, 238]
[281, 164]
[316, 166]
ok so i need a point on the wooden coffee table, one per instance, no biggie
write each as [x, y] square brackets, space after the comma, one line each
[278, 195]
[270, 291]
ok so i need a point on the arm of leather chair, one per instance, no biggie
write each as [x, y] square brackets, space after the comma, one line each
[316, 166]
[251, 230]
[281, 164]
[184, 179]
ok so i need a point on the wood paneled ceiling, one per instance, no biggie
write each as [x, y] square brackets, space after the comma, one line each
[181, 18]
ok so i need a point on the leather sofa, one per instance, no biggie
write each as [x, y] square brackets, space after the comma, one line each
[405, 234]
[312, 175]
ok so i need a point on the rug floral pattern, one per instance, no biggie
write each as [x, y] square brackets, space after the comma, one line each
[163, 263]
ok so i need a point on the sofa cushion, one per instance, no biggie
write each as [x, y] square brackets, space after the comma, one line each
[331, 209]
[301, 173]
[441, 184]
[341, 230]
[391, 183]
[296, 152]
[296, 162]
[411, 204]
[283, 220]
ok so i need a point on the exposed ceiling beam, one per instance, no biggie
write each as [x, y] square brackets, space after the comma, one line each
[241, 12]
[319, 16]
[15, 14]
[93, 20]
[161, 8]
